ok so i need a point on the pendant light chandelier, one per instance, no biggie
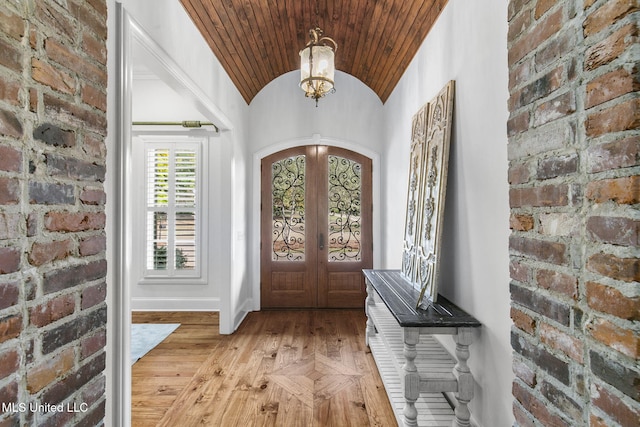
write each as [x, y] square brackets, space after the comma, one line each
[317, 67]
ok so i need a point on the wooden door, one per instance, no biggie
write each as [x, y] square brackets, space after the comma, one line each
[316, 232]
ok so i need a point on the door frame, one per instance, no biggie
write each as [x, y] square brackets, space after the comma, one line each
[119, 209]
[315, 139]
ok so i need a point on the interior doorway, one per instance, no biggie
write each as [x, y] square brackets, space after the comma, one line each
[316, 227]
[132, 45]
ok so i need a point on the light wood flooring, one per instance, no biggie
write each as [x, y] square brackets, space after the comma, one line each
[280, 368]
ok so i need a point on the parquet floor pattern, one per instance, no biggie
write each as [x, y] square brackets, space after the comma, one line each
[281, 368]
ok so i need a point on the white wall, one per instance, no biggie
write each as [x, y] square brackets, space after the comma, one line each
[154, 100]
[467, 44]
[280, 112]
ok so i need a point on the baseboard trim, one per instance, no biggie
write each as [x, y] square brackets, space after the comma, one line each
[242, 312]
[175, 304]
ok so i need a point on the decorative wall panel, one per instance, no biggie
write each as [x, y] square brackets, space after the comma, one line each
[430, 138]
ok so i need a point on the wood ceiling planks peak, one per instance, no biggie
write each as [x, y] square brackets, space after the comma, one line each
[257, 41]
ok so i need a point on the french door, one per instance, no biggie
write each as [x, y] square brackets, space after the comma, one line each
[316, 232]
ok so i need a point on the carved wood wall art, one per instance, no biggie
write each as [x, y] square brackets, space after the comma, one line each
[428, 165]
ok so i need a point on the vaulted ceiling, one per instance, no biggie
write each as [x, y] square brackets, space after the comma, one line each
[259, 40]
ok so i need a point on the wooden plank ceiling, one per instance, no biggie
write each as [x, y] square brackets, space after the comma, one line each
[259, 40]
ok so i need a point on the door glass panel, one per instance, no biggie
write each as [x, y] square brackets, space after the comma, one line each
[288, 200]
[345, 188]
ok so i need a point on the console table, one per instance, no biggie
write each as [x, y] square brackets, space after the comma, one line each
[415, 368]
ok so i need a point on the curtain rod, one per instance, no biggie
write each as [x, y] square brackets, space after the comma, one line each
[184, 124]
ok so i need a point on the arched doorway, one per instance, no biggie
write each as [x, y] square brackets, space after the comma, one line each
[316, 227]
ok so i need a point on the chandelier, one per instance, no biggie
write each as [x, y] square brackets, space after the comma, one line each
[317, 66]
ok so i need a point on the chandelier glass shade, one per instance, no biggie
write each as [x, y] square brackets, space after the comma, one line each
[317, 65]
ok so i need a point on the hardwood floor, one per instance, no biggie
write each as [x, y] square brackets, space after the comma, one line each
[160, 375]
[281, 368]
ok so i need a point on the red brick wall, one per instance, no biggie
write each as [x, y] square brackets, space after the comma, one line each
[574, 164]
[53, 80]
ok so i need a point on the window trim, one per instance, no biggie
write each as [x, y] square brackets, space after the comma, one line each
[196, 276]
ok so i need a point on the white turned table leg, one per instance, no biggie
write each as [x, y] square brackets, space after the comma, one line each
[411, 376]
[463, 339]
[370, 302]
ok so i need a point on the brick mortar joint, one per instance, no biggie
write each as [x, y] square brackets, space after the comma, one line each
[571, 304]
[76, 291]
[593, 345]
[593, 39]
[43, 299]
[39, 53]
[624, 324]
[46, 236]
[627, 97]
[580, 83]
[576, 370]
[595, 381]
[572, 22]
[534, 182]
[31, 149]
[586, 245]
[617, 174]
[578, 330]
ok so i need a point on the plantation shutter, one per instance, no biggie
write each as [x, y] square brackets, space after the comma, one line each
[172, 200]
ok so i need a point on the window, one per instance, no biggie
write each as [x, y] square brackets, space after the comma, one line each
[173, 214]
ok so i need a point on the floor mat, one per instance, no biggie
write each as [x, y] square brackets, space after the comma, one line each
[145, 336]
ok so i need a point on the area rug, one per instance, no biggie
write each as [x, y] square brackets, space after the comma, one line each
[145, 336]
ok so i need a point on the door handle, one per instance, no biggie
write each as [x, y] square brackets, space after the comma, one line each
[321, 241]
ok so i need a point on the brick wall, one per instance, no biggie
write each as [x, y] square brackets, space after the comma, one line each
[52, 243]
[574, 166]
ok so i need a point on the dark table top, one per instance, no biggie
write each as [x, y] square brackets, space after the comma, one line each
[400, 298]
